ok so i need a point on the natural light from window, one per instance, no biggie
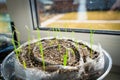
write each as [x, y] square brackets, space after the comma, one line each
[79, 14]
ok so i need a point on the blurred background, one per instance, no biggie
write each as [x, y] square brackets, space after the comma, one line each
[83, 14]
[75, 14]
[103, 15]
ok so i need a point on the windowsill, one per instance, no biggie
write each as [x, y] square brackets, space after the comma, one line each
[107, 32]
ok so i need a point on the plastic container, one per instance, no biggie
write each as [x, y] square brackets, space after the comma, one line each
[8, 67]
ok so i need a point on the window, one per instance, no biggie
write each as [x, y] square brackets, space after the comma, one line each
[5, 28]
[79, 14]
[4, 18]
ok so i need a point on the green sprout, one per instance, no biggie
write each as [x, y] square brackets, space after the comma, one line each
[91, 41]
[65, 56]
[41, 49]
[15, 47]
[13, 41]
[24, 64]
[73, 33]
[51, 42]
[76, 43]
[48, 33]
[59, 47]
[28, 32]
[54, 32]
[18, 33]
[18, 42]
[59, 32]
[72, 51]
[17, 51]
[83, 46]
[61, 35]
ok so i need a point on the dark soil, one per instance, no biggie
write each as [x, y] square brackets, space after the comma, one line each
[54, 51]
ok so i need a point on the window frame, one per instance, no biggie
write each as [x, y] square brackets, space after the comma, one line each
[34, 14]
[37, 25]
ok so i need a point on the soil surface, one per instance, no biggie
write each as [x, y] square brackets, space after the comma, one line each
[52, 53]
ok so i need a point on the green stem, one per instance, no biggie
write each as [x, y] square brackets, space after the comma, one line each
[17, 51]
[91, 42]
[28, 32]
[72, 51]
[18, 38]
[59, 47]
[41, 50]
[65, 56]
[24, 64]
[48, 33]
[54, 32]
[13, 42]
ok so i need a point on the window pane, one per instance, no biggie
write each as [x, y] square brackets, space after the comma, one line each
[79, 14]
[4, 18]
[5, 28]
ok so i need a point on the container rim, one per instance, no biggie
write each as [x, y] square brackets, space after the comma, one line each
[104, 52]
[109, 65]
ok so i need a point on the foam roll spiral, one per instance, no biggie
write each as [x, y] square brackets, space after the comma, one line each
[82, 62]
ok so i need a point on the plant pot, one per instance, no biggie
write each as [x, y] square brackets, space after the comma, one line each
[12, 68]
